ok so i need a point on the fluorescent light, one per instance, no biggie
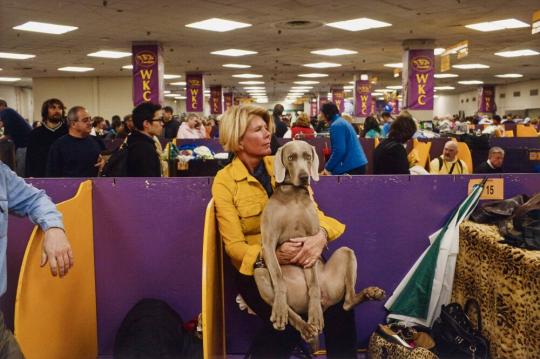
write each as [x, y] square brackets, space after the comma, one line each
[302, 87]
[9, 79]
[397, 87]
[180, 97]
[347, 90]
[348, 87]
[233, 52]
[75, 69]
[170, 77]
[517, 53]
[334, 52]
[179, 83]
[254, 88]
[445, 76]
[363, 77]
[306, 82]
[363, 23]
[382, 90]
[237, 66]
[110, 54]
[509, 76]
[219, 25]
[498, 25]
[14, 56]
[170, 95]
[45, 28]
[251, 82]
[247, 76]
[438, 51]
[261, 100]
[128, 67]
[313, 75]
[396, 65]
[470, 66]
[444, 88]
[166, 91]
[471, 82]
[322, 65]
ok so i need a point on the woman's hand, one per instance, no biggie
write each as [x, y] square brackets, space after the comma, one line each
[311, 249]
[287, 251]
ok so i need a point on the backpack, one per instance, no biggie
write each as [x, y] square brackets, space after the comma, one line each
[117, 163]
[453, 164]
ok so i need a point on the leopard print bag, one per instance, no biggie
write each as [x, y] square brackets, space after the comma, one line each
[380, 348]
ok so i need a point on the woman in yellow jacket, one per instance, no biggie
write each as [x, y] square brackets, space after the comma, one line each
[240, 192]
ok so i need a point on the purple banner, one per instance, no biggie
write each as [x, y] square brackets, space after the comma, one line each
[194, 93]
[216, 105]
[338, 97]
[362, 97]
[147, 63]
[419, 78]
[486, 99]
[228, 99]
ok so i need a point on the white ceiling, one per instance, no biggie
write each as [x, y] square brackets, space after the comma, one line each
[281, 51]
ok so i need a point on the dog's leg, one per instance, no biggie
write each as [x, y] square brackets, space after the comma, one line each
[264, 284]
[315, 313]
[279, 306]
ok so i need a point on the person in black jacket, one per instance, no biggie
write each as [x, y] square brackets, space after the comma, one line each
[143, 158]
[390, 157]
[17, 130]
[281, 127]
[494, 162]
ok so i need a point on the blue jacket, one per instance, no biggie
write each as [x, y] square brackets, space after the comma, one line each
[347, 153]
[18, 197]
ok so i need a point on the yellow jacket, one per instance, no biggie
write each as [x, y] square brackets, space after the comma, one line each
[239, 200]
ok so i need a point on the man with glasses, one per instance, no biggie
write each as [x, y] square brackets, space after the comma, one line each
[143, 157]
[76, 154]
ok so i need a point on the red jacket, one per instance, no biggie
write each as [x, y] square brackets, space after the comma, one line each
[307, 132]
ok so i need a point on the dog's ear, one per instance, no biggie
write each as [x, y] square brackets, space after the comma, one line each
[314, 164]
[279, 167]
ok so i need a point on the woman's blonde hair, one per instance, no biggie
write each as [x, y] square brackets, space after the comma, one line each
[234, 123]
[302, 120]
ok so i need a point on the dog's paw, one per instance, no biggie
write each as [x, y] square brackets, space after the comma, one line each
[315, 317]
[279, 315]
[373, 293]
[308, 331]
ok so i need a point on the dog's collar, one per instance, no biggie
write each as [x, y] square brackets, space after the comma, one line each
[292, 185]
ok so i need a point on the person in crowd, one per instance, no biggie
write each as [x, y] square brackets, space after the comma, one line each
[143, 157]
[280, 126]
[192, 128]
[41, 138]
[347, 153]
[371, 128]
[3, 104]
[22, 199]
[448, 163]
[246, 183]
[17, 130]
[386, 122]
[170, 129]
[496, 128]
[494, 163]
[349, 119]
[35, 124]
[117, 129]
[128, 124]
[98, 126]
[214, 132]
[301, 128]
[390, 157]
[76, 154]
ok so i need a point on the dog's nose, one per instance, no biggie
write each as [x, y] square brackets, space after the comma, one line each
[304, 178]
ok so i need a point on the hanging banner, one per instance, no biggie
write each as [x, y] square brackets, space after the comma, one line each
[194, 93]
[216, 106]
[362, 98]
[228, 100]
[418, 78]
[338, 97]
[445, 63]
[148, 71]
[486, 97]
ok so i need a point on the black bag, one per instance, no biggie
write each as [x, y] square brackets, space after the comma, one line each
[455, 336]
[152, 329]
[116, 165]
[496, 211]
[524, 229]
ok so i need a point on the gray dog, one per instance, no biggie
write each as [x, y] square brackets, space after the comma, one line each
[292, 290]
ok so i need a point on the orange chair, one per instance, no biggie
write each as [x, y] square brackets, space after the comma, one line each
[526, 131]
[509, 133]
[420, 153]
[376, 142]
[464, 154]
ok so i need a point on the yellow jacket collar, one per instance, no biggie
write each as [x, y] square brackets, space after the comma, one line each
[241, 173]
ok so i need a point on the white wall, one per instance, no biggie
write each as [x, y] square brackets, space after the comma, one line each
[18, 98]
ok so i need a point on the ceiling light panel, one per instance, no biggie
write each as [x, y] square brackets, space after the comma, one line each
[110, 54]
[471, 82]
[128, 67]
[14, 56]
[170, 76]
[444, 88]
[237, 66]
[233, 52]
[438, 51]
[306, 82]
[219, 25]
[518, 53]
[251, 82]
[313, 75]
[509, 76]
[334, 52]
[470, 66]
[498, 25]
[45, 28]
[247, 76]
[395, 65]
[9, 79]
[445, 76]
[322, 65]
[359, 24]
[76, 69]
[179, 83]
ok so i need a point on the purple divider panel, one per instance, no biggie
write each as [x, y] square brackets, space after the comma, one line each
[148, 244]
[368, 145]
[388, 219]
[19, 230]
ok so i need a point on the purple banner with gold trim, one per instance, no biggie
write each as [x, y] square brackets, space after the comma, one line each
[486, 99]
[228, 100]
[338, 97]
[216, 105]
[147, 64]
[194, 93]
[420, 80]
[362, 97]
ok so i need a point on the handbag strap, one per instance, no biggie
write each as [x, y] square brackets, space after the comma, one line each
[473, 303]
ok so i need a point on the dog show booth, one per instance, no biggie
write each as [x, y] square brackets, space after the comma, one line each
[136, 238]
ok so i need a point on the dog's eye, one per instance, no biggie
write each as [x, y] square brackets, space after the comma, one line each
[308, 157]
[290, 158]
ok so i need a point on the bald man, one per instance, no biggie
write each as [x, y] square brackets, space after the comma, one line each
[448, 163]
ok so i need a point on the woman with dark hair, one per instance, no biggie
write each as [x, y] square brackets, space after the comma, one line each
[347, 153]
[371, 128]
[390, 157]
